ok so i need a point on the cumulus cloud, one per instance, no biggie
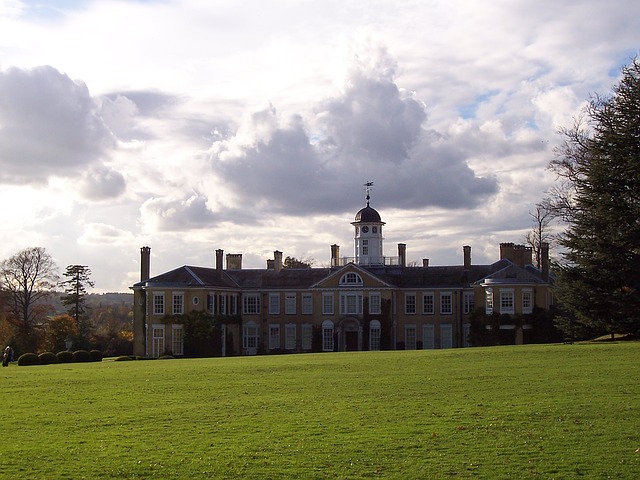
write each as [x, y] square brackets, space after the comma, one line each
[372, 130]
[101, 183]
[49, 126]
[177, 214]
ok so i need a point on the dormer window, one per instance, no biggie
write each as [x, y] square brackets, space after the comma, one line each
[351, 278]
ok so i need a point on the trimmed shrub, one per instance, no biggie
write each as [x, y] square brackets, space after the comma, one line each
[28, 359]
[96, 355]
[65, 357]
[82, 356]
[47, 358]
[123, 358]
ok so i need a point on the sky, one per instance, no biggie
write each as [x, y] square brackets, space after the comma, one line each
[251, 126]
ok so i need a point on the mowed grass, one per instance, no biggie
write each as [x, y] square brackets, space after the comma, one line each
[554, 411]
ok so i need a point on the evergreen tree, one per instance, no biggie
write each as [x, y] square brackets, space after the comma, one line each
[599, 198]
[75, 288]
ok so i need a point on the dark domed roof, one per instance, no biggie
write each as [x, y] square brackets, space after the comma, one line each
[368, 214]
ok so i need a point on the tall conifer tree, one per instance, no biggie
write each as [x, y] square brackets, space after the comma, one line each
[599, 198]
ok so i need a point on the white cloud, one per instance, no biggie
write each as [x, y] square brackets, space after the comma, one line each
[450, 108]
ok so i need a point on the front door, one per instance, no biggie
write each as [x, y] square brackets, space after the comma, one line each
[351, 341]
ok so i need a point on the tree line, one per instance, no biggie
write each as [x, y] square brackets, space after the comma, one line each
[29, 289]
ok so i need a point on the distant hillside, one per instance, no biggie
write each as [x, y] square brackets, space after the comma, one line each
[94, 300]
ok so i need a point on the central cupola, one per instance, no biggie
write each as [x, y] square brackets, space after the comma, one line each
[368, 233]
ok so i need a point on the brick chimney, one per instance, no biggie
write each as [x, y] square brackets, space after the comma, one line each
[145, 263]
[402, 254]
[518, 254]
[466, 250]
[234, 261]
[335, 255]
[219, 257]
[277, 260]
[425, 262]
[544, 257]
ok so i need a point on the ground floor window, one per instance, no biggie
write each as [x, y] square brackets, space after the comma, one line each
[428, 336]
[290, 337]
[177, 340]
[250, 338]
[307, 336]
[410, 337]
[157, 335]
[327, 336]
[274, 336]
[446, 335]
[374, 335]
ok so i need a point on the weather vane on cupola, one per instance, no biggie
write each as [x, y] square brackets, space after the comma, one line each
[367, 188]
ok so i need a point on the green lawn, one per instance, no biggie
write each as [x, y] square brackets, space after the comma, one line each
[555, 411]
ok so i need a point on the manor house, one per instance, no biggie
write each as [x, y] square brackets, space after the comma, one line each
[367, 301]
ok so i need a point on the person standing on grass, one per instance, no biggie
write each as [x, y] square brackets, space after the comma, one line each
[7, 356]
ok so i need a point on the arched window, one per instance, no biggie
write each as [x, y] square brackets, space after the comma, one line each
[351, 278]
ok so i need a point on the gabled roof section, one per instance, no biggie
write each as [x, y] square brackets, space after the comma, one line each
[506, 272]
[188, 277]
[370, 278]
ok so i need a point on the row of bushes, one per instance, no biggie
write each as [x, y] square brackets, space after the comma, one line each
[65, 356]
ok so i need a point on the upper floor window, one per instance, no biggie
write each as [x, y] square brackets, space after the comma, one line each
[374, 303]
[446, 306]
[290, 304]
[427, 303]
[351, 303]
[158, 303]
[251, 304]
[527, 300]
[178, 303]
[307, 304]
[488, 301]
[506, 301]
[365, 247]
[410, 303]
[274, 303]
[351, 278]
[327, 303]
[469, 302]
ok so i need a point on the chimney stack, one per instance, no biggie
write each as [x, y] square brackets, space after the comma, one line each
[145, 263]
[277, 261]
[544, 257]
[219, 257]
[425, 262]
[234, 261]
[467, 256]
[335, 255]
[518, 254]
[402, 254]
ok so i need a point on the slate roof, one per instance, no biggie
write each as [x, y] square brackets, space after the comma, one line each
[502, 271]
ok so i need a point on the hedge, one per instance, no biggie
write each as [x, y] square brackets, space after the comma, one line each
[47, 358]
[28, 359]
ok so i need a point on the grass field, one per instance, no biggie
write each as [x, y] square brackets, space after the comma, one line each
[554, 411]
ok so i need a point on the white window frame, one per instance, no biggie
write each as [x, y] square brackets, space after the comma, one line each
[350, 303]
[488, 301]
[410, 337]
[158, 303]
[290, 336]
[428, 336]
[507, 301]
[410, 303]
[274, 336]
[177, 303]
[307, 336]
[211, 303]
[251, 304]
[222, 303]
[177, 340]
[375, 303]
[446, 335]
[328, 342]
[527, 300]
[307, 304]
[444, 304]
[250, 338]
[351, 278]
[274, 304]
[469, 302]
[290, 304]
[157, 340]
[327, 304]
[375, 335]
[428, 303]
